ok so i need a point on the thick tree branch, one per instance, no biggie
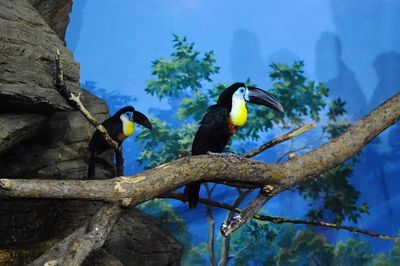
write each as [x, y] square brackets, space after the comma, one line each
[280, 220]
[154, 182]
[72, 250]
[292, 134]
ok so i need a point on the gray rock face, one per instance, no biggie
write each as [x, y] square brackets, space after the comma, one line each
[42, 137]
[156, 246]
[56, 14]
[26, 47]
[18, 127]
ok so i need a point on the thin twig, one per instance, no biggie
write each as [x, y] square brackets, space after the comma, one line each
[280, 139]
[211, 227]
[280, 220]
[75, 101]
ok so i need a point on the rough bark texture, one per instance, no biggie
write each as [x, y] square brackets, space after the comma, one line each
[42, 137]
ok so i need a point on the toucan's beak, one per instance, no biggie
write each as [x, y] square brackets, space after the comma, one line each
[259, 96]
[141, 119]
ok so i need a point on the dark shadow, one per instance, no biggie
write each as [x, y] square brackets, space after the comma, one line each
[387, 68]
[340, 79]
[246, 59]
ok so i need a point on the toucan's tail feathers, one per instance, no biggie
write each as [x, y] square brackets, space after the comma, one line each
[92, 166]
[192, 193]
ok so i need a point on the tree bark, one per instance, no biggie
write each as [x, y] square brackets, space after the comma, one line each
[154, 182]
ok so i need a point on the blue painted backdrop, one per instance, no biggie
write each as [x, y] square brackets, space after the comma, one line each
[353, 46]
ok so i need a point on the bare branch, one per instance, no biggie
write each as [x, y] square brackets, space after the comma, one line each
[154, 182]
[211, 227]
[75, 101]
[280, 139]
[73, 249]
[280, 220]
[225, 246]
[254, 206]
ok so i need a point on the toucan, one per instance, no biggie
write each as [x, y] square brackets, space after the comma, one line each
[119, 126]
[221, 122]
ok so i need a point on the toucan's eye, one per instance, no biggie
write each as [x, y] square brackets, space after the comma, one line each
[242, 90]
[129, 115]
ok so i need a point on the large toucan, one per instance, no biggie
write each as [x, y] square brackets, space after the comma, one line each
[119, 126]
[222, 121]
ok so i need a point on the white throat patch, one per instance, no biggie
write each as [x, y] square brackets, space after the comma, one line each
[238, 114]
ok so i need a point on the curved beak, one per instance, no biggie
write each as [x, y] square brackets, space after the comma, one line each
[141, 119]
[259, 96]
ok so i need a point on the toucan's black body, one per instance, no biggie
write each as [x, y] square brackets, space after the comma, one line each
[114, 127]
[216, 127]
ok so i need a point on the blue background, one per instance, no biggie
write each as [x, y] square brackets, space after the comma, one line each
[353, 46]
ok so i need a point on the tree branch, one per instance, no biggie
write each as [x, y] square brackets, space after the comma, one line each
[73, 249]
[225, 246]
[211, 227]
[75, 101]
[280, 139]
[154, 182]
[280, 220]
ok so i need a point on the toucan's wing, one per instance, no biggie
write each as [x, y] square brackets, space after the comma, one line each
[212, 136]
[113, 126]
[213, 133]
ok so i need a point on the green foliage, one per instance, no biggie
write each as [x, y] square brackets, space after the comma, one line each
[339, 197]
[193, 106]
[353, 252]
[163, 214]
[164, 143]
[307, 248]
[336, 129]
[258, 243]
[248, 240]
[392, 259]
[185, 70]
[197, 255]
[300, 98]
[336, 108]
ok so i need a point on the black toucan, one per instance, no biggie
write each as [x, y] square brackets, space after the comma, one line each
[119, 126]
[221, 122]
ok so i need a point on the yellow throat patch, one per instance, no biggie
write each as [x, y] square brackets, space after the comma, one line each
[128, 127]
[238, 112]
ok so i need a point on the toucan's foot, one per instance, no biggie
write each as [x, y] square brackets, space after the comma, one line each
[226, 154]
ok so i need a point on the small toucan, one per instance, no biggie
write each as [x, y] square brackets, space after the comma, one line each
[221, 122]
[119, 126]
